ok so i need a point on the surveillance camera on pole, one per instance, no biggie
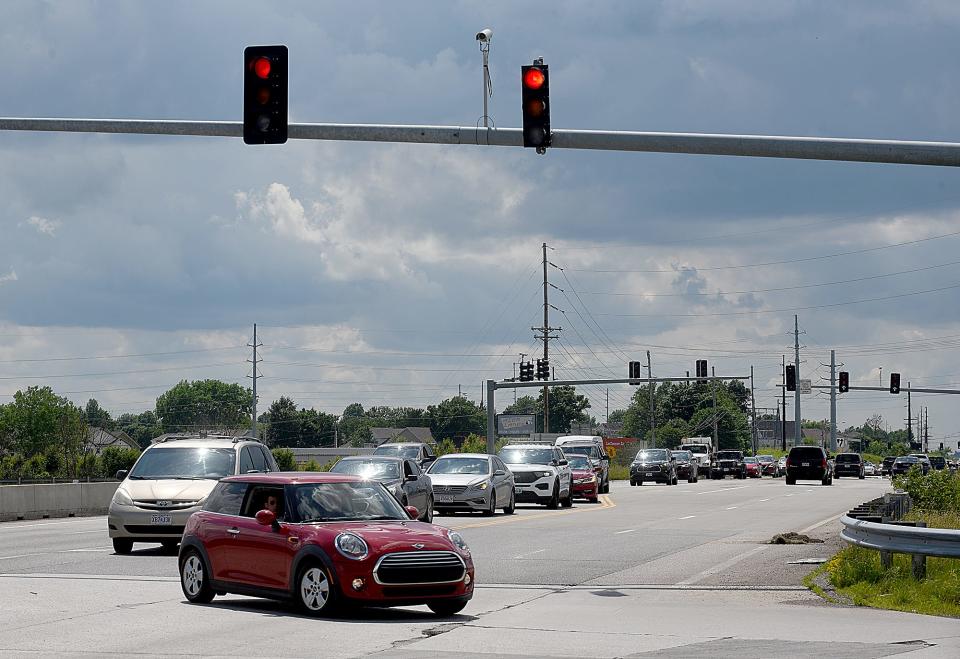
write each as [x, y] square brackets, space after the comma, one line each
[484, 37]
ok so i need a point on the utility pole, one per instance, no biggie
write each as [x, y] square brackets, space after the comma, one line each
[653, 417]
[783, 392]
[926, 429]
[797, 432]
[254, 361]
[607, 416]
[833, 401]
[753, 411]
[545, 337]
[909, 419]
[713, 385]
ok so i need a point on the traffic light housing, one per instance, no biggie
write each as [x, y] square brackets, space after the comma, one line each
[535, 97]
[791, 377]
[844, 385]
[265, 94]
[701, 368]
[633, 370]
[894, 383]
[526, 371]
[543, 369]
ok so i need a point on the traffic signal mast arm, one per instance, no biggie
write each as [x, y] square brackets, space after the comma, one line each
[808, 148]
[913, 390]
[507, 384]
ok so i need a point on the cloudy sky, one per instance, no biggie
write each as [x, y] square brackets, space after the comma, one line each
[394, 274]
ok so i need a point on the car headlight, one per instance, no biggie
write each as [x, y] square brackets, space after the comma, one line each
[120, 497]
[543, 474]
[352, 546]
[458, 540]
[481, 486]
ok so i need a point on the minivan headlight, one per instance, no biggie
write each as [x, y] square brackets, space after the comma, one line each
[120, 497]
[352, 546]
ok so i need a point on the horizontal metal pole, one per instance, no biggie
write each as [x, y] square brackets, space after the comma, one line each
[764, 146]
[944, 543]
[903, 390]
[506, 384]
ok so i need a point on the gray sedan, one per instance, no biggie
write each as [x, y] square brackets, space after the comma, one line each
[472, 481]
[401, 476]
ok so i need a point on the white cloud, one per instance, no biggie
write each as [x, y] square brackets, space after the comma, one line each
[43, 225]
[12, 276]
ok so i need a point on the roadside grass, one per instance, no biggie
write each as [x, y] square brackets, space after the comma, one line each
[619, 473]
[857, 573]
[936, 520]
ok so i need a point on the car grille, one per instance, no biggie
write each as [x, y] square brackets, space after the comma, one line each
[147, 529]
[419, 567]
[153, 504]
[449, 489]
[524, 477]
[728, 463]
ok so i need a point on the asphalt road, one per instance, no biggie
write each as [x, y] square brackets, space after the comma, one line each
[678, 570]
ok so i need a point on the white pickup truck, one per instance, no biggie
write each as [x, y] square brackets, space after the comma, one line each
[699, 447]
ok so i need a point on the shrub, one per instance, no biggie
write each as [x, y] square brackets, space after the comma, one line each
[446, 446]
[938, 491]
[285, 459]
[89, 465]
[311, 465]
[115, 459]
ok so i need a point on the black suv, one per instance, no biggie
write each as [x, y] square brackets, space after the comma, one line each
[848, 464]
[938, 462]
[809, 463]
[728, 463]
[887, 465]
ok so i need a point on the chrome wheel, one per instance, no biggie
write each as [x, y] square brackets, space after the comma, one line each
[192, 575]
[314, 589]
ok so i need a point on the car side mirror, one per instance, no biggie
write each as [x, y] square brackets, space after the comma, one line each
[412, 511]
[120, 475]
[563, 463]
[411, 477]
[266, 517]
[499, 472]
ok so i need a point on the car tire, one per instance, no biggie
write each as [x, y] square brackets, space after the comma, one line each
[194, 578]
[512, 506]
[492, 510]
[594, 500]
[791, 481]
[449, 607]
[122, 545]
[554, 501]
[567, 502]
[428, 513]
[633, 483]
[862, 476]
[692, 479]
[827, 481]
[314, 592]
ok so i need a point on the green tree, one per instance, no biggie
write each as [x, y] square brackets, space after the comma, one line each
[115, 458]
[316, 428]
[525, 405]
[205, 405]
[285, 459]
[39, 424]
[616, 416]
[143, 427]
[354, 426]
[98, 417]
[671, 434]
[566, 407]
[456, 417]
[284, 423]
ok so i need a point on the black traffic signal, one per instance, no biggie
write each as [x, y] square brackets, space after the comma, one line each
[844, 385]
[701, 368]
[894, 383]
[265, 94]
[791, 375]
[535, 96]
[633, 370]
[526, 371]
[543, 369]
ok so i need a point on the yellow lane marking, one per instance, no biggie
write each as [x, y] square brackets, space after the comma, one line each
[605, 504]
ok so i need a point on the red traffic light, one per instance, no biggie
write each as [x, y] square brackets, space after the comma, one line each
[261, 66]
[533, 78]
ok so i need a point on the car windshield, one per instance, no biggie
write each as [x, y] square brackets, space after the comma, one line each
[579, 462]
[750, 461]
[848, 457]
[652, 455]
[446, 465]
[681, 455]
[591, 451]
[906, 459]
[693, 448]
[374, 469]
[806, 453]
[398, 450]
[764, 458]
[329, 502]
[526, 456]
[185, 463]
[728, 455]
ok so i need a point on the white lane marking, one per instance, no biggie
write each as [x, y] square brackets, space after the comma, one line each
[626, 531]
[720, 567]
[762, 500]
[732, 508]
[725, 489]
[47, 553]
[72, 520]
[821, 523]
[531, 553]
[688, 517]
[82, 532]
[788, 495]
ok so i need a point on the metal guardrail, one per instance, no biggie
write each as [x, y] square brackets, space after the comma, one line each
[888, 535]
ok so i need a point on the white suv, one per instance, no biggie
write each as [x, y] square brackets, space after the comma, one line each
[171, 480]
[540, 474]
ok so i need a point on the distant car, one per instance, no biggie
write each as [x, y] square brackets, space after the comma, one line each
[768, 465]
[701, 454]
[471, 482]
[728, 463]
[904, 463]
[335, 539]
[586, 483]
[848, 464]
[421, 453]
[687, 465]
[170, 481]
[938, 462]
[541, 474]
[925, 461]
[753, 467]
[809, 463]
[653, 464]
[869, 469]
[782, 465]
[401, 476]
[592, 447]
[886, 465]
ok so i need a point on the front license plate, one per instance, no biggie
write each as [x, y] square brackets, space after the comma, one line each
[161, 520]
[444, 498]
[649, 473]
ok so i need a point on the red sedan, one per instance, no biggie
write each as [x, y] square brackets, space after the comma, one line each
[754, 469]
[318, 539]
[584, 475]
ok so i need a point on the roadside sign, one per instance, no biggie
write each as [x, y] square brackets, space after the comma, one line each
[516, 424]
[805, 387]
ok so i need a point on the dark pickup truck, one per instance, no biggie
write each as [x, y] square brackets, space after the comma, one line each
[728, 463]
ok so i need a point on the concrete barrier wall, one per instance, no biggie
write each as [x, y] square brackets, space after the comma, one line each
[55, 500]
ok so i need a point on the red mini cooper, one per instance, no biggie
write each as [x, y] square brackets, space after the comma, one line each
[318, 539]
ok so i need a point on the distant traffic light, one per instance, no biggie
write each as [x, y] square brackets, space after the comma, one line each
[265, 94]
[894, 383]
[791, 376]
[633, 370]
[844, 385]
[535, 96]
[701, 368]
[543, 369]
[526, 371]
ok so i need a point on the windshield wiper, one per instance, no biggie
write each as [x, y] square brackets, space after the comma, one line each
[315, 519]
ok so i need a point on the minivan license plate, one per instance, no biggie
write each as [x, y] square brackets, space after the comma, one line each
[164, 520]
